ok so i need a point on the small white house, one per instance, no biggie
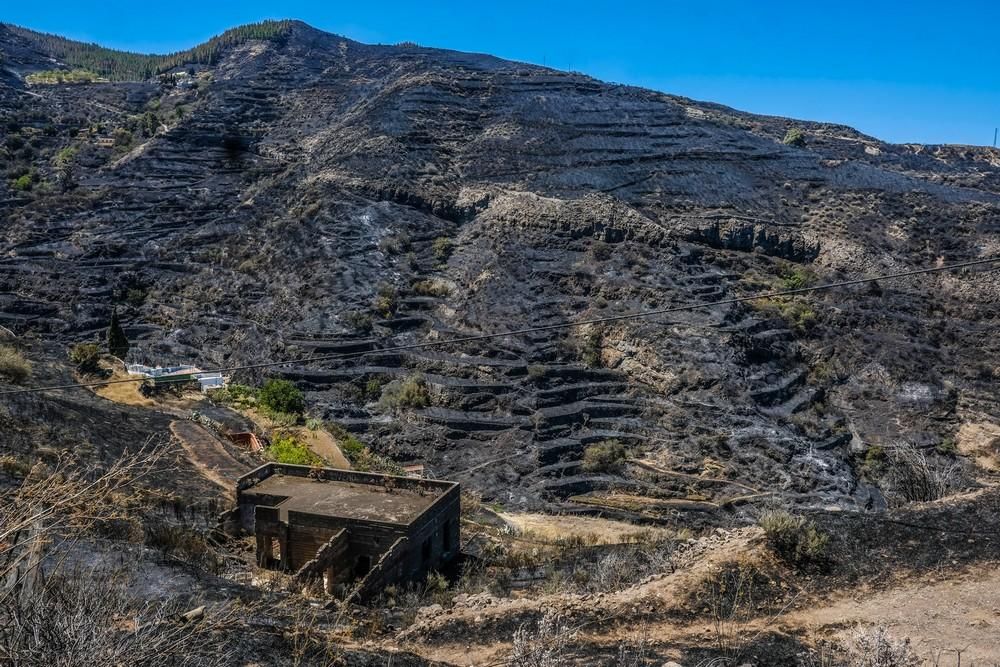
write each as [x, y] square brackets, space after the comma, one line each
[164, 375]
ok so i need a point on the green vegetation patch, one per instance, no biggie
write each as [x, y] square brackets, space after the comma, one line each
[286, 449]
[54, 76]
[282, 396]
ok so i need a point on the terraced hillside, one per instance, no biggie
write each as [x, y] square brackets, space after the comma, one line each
[311, 195]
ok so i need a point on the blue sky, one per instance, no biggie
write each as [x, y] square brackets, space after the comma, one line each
[903, 71]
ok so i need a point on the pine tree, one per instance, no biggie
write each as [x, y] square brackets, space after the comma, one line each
[118, 344]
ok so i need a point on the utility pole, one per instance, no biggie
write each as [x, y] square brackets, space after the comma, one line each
[995, 136]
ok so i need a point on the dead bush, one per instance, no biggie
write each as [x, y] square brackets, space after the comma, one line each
[545, 645]
[874, 647]
[911, 476]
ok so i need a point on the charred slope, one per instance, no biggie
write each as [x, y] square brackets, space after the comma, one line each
[313, 194]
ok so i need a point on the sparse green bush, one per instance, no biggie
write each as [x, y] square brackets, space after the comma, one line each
[135, 296]
[591, 346]
[794, 137]
[282, 396]
[608, 456]
[350, 446]
[22, 183]
[373, 387]
[85, 357]
[13, 366]
[947, 447]
[798, 314]
[286, 449]
[408, 393]
[442, 248]
[237, 395]
[796, 277]
[794, 539]
[386, 301]
[358, 321]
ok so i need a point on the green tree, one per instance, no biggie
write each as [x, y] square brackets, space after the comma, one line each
[282, 396]
[118, 344]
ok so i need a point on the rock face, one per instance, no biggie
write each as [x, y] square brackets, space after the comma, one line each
[315, 196]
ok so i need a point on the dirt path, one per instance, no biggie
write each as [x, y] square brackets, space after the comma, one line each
[207, 454]
[958, 612]
[324, 445]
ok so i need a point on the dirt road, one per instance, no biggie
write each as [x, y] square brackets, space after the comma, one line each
[207, 454]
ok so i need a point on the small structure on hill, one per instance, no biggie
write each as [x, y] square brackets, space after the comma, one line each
[179, 374]
[360, 530]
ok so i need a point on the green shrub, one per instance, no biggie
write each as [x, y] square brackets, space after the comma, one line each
[238, 395]
[798, 314]
[442, 248]
[13, 366]
[794, 539]
[409, 393]
[286, 449]
[85, 356]
[282, 396]
[796, 277]
[794, 137]
[607, 456]
[22, 183]
[947, 447]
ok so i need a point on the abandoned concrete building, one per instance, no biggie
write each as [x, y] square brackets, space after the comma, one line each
[354, 530]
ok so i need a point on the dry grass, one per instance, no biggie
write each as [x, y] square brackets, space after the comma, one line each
[588, 530]
[13, 366]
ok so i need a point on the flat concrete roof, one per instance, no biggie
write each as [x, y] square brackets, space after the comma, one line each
[347, 500]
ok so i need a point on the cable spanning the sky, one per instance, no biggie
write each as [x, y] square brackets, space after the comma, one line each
[519, 332]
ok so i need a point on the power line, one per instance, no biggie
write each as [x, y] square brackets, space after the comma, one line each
[519, 332]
